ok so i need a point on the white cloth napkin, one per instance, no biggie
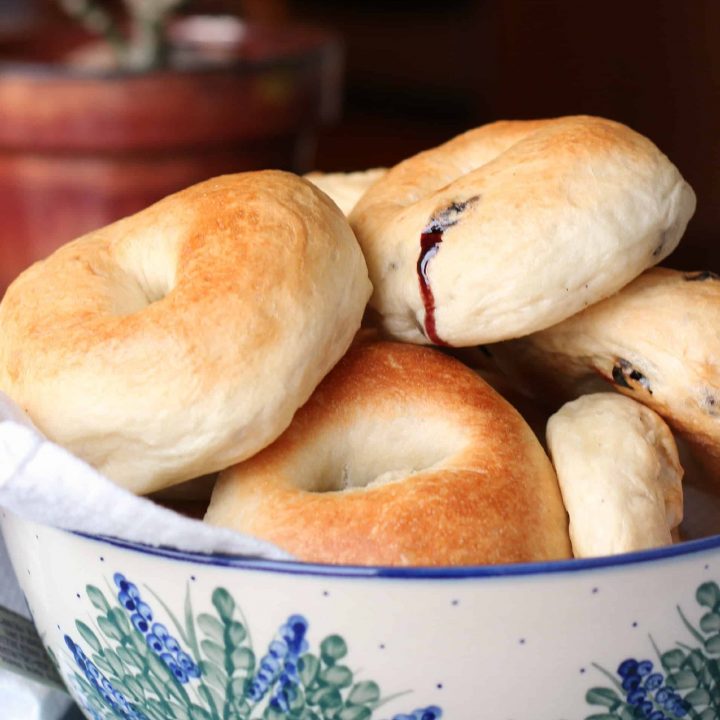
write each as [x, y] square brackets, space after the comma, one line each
[43, 482]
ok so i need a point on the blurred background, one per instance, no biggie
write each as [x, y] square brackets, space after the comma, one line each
[414, 73]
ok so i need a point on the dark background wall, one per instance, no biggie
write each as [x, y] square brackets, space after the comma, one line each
[420, 71]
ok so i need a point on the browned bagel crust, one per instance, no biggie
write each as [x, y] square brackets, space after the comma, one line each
[656, 341]
[182, 339]
[489, 495]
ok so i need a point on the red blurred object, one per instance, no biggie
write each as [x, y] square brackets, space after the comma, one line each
[80, 148]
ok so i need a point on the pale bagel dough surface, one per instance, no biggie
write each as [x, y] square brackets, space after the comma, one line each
[657, 341]
[402, 456]
[619, 474]
[523, 223]
[179, 340]
[345, 189]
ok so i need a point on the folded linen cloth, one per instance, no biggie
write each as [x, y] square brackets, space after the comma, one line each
[41, 481]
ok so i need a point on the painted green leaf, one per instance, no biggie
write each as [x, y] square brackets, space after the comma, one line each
[214, 652]
[695, 661]
[158, 708]
[672, 659]
[133, 687]
[100, 661]
[212, 627]
[86, 687]
[712, 644]
[627, 714]
[332, 648]
[698, 698]
[602, 716]
[338, 676]
[243, 659]
[708, 714]
[326, 697]
[97, 598]
[238, 687]
[355, 712]
[114, 662]
[364, 693]
[213, 674]
[224, 604]
[139, 645]
[708, 594]
[331, 700]
[108, 629]
[130, 658]
[236, 632]
[213, 699]
[118, 618]
[710, 622]
[172, 692]
[241, 707]
[181, 713]
[145, 684]
[308, 667]
[158, 668]
[199, 713]
[682, 679]
[602, 696]
[88, 635]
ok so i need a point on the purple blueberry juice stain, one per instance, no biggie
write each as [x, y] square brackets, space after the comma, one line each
[429, 243]
[430, 240]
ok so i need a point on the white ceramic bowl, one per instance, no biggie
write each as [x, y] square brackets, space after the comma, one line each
[138, 632]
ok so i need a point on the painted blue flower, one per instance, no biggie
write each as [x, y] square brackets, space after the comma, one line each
[112, 697]
[647, 693]
[433, 712]
[157, 637]
[278, 666]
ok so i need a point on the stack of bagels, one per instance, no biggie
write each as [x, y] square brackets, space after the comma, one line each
[272, 332]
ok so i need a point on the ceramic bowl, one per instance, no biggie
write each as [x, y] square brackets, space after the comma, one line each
[156, 634]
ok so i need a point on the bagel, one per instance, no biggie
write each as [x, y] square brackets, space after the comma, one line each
[402, 456]
[515, 226]
[345, 189]
[182, 339]
[619, 474]
[656, 341]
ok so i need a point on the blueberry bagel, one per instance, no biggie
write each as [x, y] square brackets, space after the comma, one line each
[657, 341]
[515, 226]
[402, 456]
[180, 340]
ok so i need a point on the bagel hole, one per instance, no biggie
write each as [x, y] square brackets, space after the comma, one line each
[147, 274]
[372, 452]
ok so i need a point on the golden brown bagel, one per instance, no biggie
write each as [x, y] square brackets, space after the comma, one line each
[515, 226]
[345, 189]
[657, 341]
[402, 456]
[182, 339]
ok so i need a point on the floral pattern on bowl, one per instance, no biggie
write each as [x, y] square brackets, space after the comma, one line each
[139, 670]
[686, 682]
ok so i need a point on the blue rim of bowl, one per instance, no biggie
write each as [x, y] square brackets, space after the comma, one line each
[465, 572]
